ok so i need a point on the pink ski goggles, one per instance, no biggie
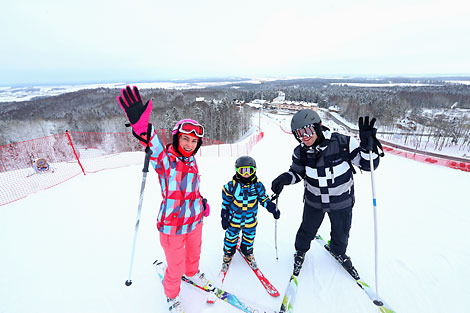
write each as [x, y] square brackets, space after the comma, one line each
[190, 127]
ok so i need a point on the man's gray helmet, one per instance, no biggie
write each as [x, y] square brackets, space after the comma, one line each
[245, 161]
[303, 118]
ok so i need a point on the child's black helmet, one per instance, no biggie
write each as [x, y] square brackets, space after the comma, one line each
[245, 161]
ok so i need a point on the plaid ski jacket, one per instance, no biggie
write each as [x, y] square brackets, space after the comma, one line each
[327, 175]
[181, 209]
[242, 200]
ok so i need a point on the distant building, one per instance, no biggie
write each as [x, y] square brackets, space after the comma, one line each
[257, 103]
[281, 97]
[199, 99]
[280, 103]
[333, 108]
[406, 124]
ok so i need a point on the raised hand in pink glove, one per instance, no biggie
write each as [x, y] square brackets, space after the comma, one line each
[207, 208]
[137, 113]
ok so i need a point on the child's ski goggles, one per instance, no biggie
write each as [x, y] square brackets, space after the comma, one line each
[188, 128]
[306, 131]
[243, 170]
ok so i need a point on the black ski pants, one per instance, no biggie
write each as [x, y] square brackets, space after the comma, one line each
[311, 220]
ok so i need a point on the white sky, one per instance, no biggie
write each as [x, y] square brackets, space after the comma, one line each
[76, 41]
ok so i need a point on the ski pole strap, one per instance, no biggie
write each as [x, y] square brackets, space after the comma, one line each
[148, 151]
[149, 129]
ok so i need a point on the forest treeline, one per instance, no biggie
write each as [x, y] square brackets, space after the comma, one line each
[96, 110]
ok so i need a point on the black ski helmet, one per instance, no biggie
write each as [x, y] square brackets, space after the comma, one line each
[245, 161]
[304, 118]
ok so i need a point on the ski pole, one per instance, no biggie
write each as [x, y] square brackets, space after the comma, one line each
[145, 170]
[374, 203]
[275, 230]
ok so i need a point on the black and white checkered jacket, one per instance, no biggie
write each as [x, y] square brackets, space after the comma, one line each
[327, 174]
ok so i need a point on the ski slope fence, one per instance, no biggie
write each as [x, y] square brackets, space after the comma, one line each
[77, 153]
[458, 165]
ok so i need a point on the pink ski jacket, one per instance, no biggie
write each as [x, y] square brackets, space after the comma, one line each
[181, 209]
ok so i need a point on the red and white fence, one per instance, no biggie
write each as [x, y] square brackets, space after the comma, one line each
[458, 165]
[78, 153]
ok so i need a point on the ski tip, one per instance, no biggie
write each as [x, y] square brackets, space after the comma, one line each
[157, 263]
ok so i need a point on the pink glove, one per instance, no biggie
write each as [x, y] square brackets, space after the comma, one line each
[137, 113]
[207, 208]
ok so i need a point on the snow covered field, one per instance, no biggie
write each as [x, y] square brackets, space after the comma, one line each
[67, 249]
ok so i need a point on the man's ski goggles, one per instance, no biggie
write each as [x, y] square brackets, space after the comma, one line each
[188, 128]
[306, 131]
[243, 170]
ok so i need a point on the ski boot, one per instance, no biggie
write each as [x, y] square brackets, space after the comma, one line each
[299, 258]
[200, 280]
[251, 260]
[345, 261]
[226, 262]
[174, 305]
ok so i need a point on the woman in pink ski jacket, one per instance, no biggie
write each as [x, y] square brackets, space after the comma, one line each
[183, 208]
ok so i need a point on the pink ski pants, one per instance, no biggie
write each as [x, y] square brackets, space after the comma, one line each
[182, 254]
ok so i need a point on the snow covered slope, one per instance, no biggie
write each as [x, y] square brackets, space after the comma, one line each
[67, 249]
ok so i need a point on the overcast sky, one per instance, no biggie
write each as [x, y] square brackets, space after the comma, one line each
[52, 41]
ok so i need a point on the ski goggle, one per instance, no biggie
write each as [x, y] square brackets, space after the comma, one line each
[243, 170]
[306, 131]
[188, 128]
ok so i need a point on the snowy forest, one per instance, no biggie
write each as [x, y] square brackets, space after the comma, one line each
[96, 110]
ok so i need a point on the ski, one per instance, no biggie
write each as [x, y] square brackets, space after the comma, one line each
[219, 293]
[272, 291]
[219, 282]
[287, 305]
[384, 307]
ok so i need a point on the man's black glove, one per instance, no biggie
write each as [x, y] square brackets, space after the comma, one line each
[278, 183]
[225, 219]
[368, 136]
[272, 208]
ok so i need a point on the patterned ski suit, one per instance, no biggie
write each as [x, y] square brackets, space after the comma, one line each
[241, 200]
[329, 187]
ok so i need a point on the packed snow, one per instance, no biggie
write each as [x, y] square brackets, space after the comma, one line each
[67, 249]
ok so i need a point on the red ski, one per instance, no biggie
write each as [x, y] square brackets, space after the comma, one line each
[264, 281]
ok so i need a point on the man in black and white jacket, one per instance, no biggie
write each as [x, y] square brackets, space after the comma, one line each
[324, 160]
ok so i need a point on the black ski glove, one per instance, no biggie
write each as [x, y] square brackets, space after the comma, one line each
[225, 219]
[368, 135]
[279, 183]
[271, 207]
